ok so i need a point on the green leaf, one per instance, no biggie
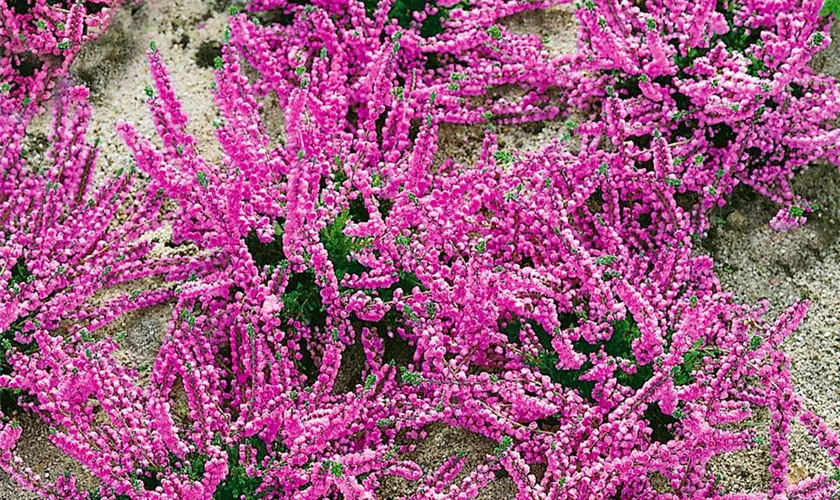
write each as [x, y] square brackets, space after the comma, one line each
[605, 260]
[505, 443]
[410, 378]
[335, 468]
[382, 423]
[202, 179]
[503, 157]
[830, 7]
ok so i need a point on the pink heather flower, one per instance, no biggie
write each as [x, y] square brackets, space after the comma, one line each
[788, 218]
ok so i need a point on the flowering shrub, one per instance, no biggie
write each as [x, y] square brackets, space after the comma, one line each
[552, 303]
[726, 83]
[39, 40]
[570, 318]
[467, 54]
[63, 241]
[349, 289]
[60, 240]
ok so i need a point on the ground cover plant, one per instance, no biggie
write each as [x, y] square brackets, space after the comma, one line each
[39, 39]
[349, 288]
[727, 83]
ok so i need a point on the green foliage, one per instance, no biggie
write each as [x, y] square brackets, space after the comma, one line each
[683, 374]
[20, 274]
[605, 260]
[201, 177]
[830, 7]
[619, 345]
[384, 422]
[333, 467]
[339, 246]
[238, 484]
[267, 254]
[504, 444]
[403, 11]
[8, 339]
[302, 299]
[503, 157]
[660, 423]
[410, 378]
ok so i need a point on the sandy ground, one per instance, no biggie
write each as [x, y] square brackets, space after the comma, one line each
[753, 261]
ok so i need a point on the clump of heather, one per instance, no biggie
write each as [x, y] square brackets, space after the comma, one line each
[459, 52]
[727, 84]
[230, 409]
[63, 239]
[565, 316]
[351, 289]
[551, 302]
[243, 399]
[39, 40]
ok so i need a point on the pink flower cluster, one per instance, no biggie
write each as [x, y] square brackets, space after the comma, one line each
[39, 40]
[473, 54]
[350, 287]
[61, 242]
[727, 84]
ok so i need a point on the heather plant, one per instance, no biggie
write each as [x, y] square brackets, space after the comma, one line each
[351, 289]
[568, 319]
[726, 83]
[39, 39]
[459, 52]
[64, 239]
[551, 302]
[253, 362]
